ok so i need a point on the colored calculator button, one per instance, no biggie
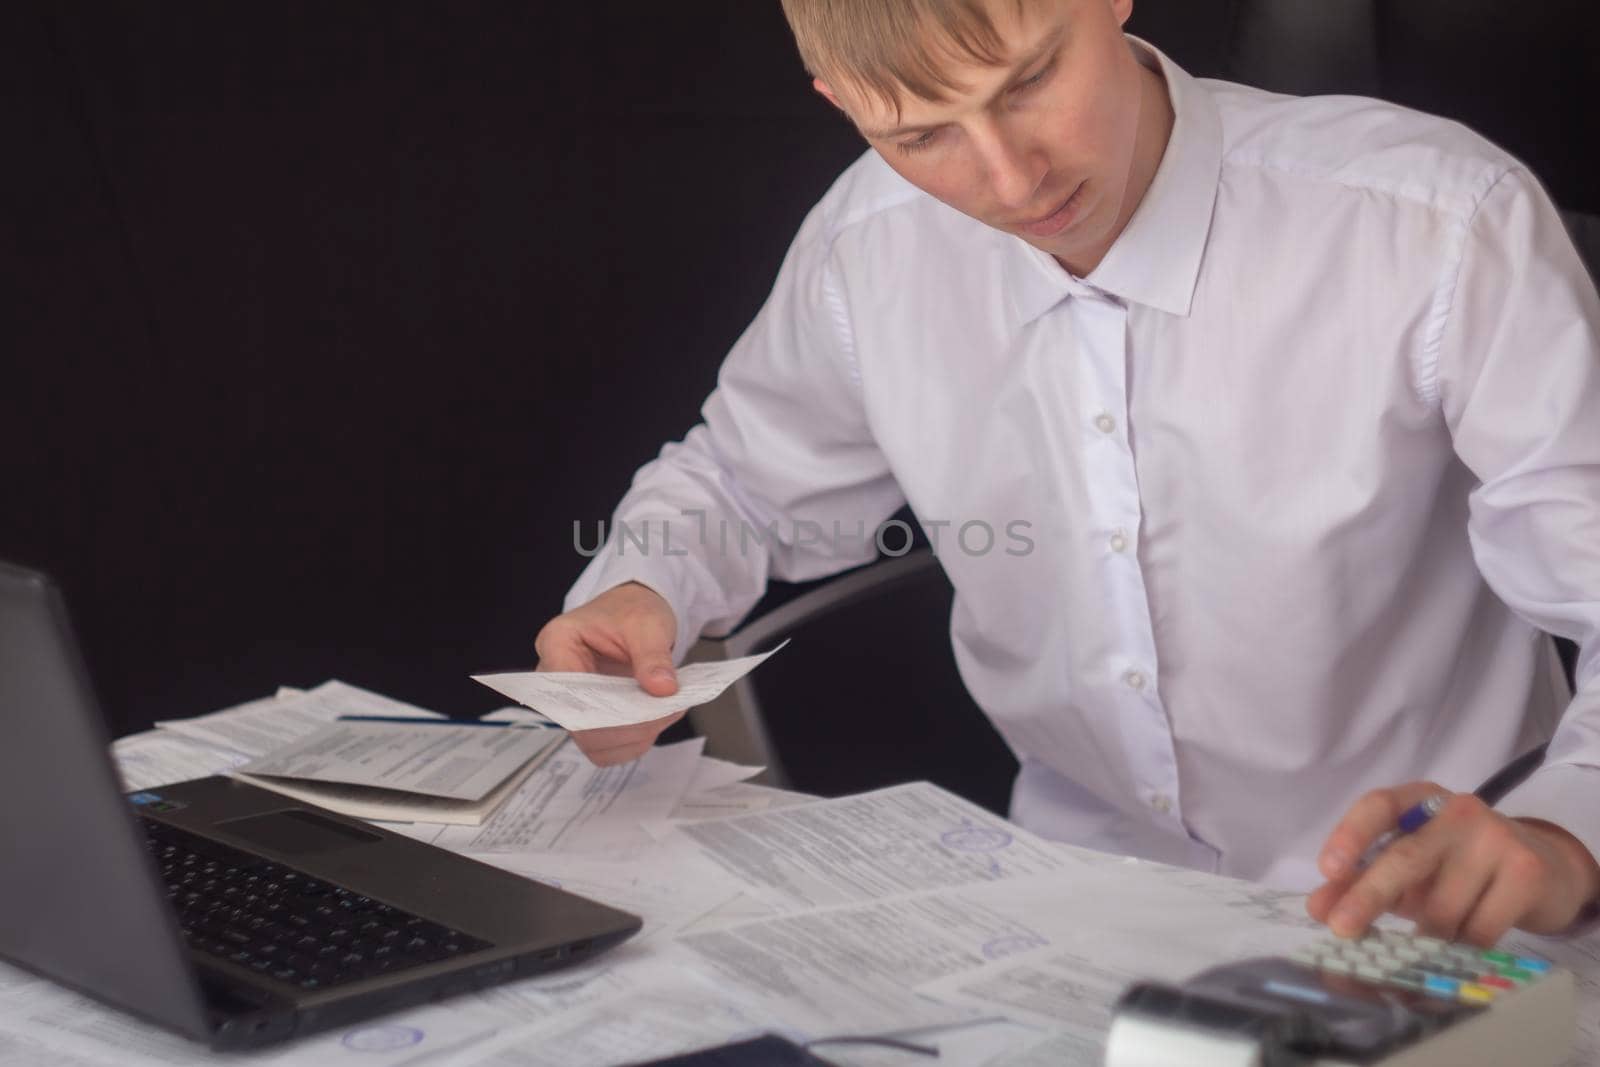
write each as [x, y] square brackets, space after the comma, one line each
[1495, 981]
[1472, 993]
[1440, 987]
[1536, 966]
[1517, 975]
[1496, 956]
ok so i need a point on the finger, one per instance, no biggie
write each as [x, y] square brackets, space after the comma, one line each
[1411, 902]
[1368, 818]
[1499, 908]
[612, 737]
[619, 744]
[1511, 894]
[647, 637]
[1409, 862]
[1324, 897]
[561, 647]
[1457, 888]
[615, 736]
[582, 650]
[605, 757]
[612, 756]
[593, 748]
[1322, 900]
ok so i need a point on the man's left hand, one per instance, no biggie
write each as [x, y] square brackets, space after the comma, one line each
[1470, 874]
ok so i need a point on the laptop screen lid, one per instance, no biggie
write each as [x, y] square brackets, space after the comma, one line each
[79, 898]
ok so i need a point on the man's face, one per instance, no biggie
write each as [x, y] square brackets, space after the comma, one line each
[1041, 146]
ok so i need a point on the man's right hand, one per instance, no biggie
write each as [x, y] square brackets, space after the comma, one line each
[626, 631]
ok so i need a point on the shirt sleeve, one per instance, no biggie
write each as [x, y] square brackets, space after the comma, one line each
[782, 478]
[1519, 385]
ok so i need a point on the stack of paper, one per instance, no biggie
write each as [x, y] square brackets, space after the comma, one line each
[427, 770]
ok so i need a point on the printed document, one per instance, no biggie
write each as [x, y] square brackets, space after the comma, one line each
[458, 761]
[897, 840]
[854, 969]
[572, 805]
[260, 726]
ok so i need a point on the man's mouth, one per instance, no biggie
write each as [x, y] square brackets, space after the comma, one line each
[1060, 218]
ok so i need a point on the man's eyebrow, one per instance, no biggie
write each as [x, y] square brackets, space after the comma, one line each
[1044, 48]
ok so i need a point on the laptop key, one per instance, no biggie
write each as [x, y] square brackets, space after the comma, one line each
[281, 923]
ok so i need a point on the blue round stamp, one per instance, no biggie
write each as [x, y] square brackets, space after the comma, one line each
[975, 839]
[382, 1038]
[1010, 945]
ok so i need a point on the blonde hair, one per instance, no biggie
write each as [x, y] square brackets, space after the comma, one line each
[884, 46]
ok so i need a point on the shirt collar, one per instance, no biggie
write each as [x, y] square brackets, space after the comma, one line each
[1156, 259]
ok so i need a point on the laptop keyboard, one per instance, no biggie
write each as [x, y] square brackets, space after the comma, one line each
[286, 925]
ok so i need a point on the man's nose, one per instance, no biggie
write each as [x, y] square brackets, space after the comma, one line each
[1015, 168]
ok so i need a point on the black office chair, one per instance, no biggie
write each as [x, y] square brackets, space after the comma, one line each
[870, 694]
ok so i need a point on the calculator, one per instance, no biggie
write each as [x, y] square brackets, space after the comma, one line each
[1386, 1000]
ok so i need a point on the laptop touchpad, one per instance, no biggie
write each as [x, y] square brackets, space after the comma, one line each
[296, 833]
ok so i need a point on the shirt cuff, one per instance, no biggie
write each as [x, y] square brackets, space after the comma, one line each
[1566, 795]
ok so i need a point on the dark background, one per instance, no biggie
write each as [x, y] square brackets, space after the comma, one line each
[322, 322]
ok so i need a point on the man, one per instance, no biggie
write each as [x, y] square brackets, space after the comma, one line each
[1293, 406]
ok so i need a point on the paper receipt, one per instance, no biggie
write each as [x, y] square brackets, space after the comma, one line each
[579, 701]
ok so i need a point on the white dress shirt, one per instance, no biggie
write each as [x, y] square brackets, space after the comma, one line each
[1280, 494]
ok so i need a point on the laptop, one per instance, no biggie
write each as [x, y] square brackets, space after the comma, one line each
[227, 912]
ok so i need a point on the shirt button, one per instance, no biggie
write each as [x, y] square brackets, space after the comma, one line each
[1161, 802]
[1134, 680]
[1104, 423]
[1118, 542]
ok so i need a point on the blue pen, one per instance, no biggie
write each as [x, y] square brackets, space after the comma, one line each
[1412, 819]
[440, 722]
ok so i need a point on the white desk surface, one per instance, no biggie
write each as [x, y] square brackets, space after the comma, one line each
[805, 927]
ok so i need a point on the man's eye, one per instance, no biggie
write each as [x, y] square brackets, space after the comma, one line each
[1032, 80]
[919, 143]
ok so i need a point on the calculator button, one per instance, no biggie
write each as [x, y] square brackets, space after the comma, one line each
[1337, 965]
[1496, 956]
[1472, 993]
[1495, 981]
[1537, 966]
[1440, 987]
[1407, 979]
